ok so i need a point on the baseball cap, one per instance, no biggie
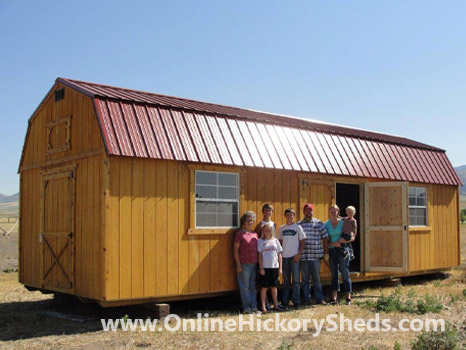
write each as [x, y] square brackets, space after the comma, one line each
[308, 206]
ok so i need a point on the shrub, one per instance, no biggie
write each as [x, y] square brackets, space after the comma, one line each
[393, 303]
[429, 304]
[446, 340]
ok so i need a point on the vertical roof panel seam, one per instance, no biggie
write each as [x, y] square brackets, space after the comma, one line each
[291, 150]
[176, 143]
[370, 166]
[271, 148]
[231, 136]
[152, 131]
[338, 153]
[446, 168]
[430, 166]
[199, 140]
[125, 143]
[378, 166]
[383, 158]
[114, 143]
[146, 129]
[188, 129]
[143, 141]
[423, 165]
[165, 132]
[351, 157]
[359, 157]
[328, 153]
[204, 129]
[454, 175]
[224, 138]
[220, 148]
[409, 164]
[178, 131]
[250, 144]
[304, 149]
[316, 144]
[434, 160]
[250, 161]
[278, 147]
[249, 125]
[403, 170]
[389, 158]
[293, 142]
[415, 163]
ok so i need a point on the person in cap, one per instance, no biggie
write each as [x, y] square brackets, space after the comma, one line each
[315, 247]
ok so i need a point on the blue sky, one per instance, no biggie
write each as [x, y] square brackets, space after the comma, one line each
[397, 67]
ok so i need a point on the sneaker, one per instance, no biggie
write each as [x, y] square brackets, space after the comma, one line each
[348, 301]
[279, 308]
[333, 301]
[269, 307]
[246, 311]
[284, 307]
[321, 302]
[296, 306]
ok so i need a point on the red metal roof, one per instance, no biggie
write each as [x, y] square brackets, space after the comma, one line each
[142, 124]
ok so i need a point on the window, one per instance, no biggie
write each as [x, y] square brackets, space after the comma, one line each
[217, 199]
[417, 206]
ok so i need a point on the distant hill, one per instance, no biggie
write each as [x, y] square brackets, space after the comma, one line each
[461, 170]
[9, 199]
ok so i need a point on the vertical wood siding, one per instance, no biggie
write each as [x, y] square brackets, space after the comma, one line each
[148, 252]
[437, 246]
[86, 142]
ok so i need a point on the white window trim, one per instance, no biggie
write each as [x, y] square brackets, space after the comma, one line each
[238, 200]
[426, 207]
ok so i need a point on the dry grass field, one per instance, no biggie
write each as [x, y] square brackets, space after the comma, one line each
[24, 325]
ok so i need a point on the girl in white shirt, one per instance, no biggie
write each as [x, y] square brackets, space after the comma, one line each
[270, 264]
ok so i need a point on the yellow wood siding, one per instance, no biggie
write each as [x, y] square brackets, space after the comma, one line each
[436, 246]
[86, 153]
[156, 257]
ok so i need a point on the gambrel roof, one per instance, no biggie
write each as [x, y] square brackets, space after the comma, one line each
[143, 124]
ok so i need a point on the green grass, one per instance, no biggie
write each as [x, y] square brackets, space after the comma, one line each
[411, 304]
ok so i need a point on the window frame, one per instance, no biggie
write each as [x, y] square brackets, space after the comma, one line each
[193, 230]
[426, 207]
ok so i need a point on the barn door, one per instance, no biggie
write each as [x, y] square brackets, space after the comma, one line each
[386, 231]
[56, 237]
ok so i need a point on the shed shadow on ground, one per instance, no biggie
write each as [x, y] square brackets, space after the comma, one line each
[24, 320]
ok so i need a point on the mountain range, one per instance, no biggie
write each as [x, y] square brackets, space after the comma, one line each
[9, 199]
[461, 171]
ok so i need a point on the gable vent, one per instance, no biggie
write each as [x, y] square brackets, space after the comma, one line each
[59, 94]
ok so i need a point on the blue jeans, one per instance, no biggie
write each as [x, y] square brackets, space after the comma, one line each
[290, 271]
[311, 268]
[247, 286]
[339, 263]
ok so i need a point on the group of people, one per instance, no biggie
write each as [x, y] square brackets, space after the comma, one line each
[296, 251]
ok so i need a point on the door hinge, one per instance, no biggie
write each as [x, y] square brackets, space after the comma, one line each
[70, 234]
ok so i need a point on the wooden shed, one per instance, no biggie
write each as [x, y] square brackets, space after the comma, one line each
[128, 196]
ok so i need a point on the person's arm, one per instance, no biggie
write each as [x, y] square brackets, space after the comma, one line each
[301, 245]
[355, 230]
[280, 269]
[300, 252]
[261, 264]
[236, 255]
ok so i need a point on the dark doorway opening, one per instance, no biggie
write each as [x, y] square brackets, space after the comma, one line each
[348, 194]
